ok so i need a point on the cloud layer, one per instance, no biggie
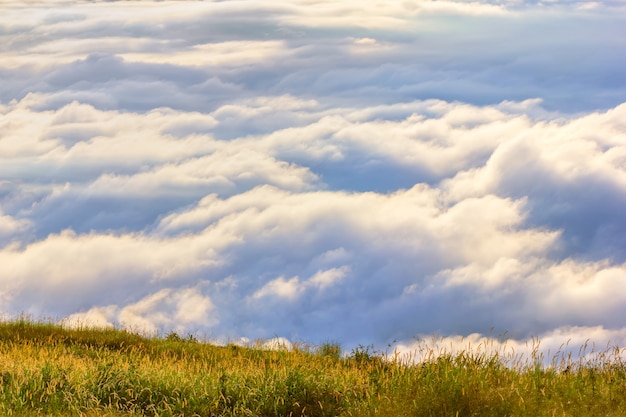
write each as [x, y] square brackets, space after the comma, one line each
[316, 171]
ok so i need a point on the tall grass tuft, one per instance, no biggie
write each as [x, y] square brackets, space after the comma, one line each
[48, 370]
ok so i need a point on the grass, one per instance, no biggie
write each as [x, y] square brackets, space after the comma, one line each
[48, 370]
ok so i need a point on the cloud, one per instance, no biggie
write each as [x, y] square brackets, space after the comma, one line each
[581, 166]
[280, 288]
[558, 348]
[176, 310]
[291, 289]
[200, 57]
[315, 170]
[301, 253]
[11, 227]
[96, 317]
[239, 245]
[167, 308]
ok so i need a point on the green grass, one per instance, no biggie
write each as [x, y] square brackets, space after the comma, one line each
[47, 370]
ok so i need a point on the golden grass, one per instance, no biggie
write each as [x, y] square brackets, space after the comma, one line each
[46, 370]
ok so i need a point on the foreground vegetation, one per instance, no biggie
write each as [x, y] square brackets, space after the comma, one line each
[46, 369]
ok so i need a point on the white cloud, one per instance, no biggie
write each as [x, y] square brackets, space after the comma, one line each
[330, 277]
[293, 288]
[290, 241]
[279, 287]
[81, 137]
[178, 310]
[223, 171]
[308, 49]
[224, 54]
[315, 170]
[558, 348]
[96, 317]
[10, 227]
[167, 308]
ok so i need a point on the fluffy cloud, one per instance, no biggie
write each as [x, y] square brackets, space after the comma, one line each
[324, 260]
[136, 57]
[583, 177]
[10, 227]
[313, 252]
[317, 171]
[171, 309]
[559, 348]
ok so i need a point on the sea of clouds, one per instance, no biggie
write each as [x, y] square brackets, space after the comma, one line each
[365, 173]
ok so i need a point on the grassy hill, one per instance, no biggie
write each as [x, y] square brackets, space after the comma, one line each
[47, 370]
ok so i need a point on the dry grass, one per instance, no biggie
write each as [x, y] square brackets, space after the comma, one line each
[46, 370]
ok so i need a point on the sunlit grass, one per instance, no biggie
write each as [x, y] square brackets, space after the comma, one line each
[48, 370]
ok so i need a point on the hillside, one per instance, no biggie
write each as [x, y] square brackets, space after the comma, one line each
[48, 370]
